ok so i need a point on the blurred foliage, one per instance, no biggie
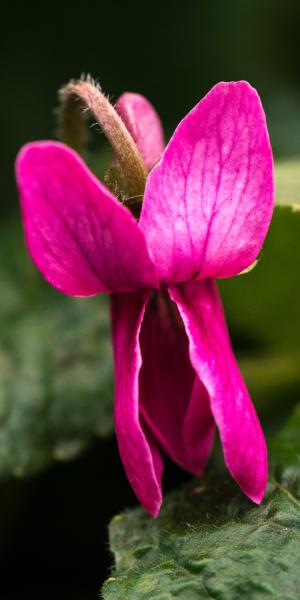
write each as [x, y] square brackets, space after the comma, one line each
[287, 182]
[211, 542]
[55, 366]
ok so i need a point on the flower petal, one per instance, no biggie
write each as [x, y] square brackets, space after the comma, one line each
[139, 452]
[173, 404]
[143, 122]
[211, 355]
[198, 428]
[81, 239]
[208, 203]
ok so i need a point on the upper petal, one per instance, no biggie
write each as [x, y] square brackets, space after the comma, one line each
[208, 203]
[80, 237]
[213, 360]
[143, 122]
[138, 450]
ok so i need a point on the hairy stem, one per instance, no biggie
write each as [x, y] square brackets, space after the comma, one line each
[86, 94]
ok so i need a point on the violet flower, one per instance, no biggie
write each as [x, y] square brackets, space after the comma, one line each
[205, 213]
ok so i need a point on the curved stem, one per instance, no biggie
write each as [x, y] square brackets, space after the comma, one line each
[88, 95]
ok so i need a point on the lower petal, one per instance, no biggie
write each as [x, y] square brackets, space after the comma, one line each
[198, 428]
[173, 401]
[211, 354]
[138, 450]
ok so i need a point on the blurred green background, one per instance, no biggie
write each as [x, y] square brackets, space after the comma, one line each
[53, 525]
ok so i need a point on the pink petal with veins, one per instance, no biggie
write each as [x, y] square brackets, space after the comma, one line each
[144, 125]
[79, 236]
[139, 452]
[212, 358]
[208, 203]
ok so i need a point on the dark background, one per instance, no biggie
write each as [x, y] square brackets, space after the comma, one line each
[172, 52]
[53, 534]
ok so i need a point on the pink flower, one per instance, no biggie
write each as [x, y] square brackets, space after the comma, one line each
[206, 211]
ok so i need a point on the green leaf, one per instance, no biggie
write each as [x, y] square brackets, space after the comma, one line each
[55, 366]
[211, 542]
